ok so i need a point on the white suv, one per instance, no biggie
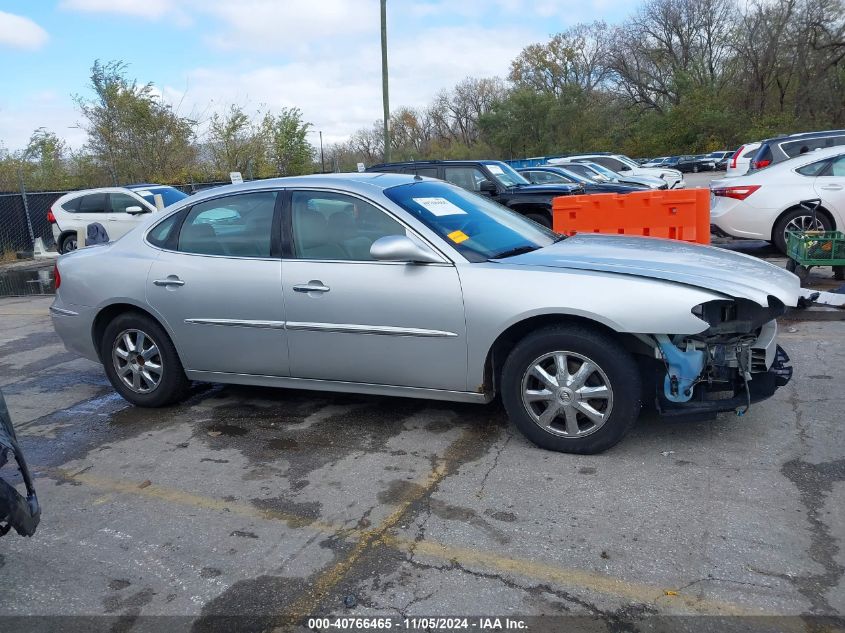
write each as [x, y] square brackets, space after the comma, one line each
[626, 167]
[118, 209]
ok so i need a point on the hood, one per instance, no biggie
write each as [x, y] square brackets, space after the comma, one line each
[612, 187]
[558, 189]
[726, 272]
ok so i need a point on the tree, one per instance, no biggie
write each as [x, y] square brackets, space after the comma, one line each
[288, 151]
[235, 142]
[132, 131]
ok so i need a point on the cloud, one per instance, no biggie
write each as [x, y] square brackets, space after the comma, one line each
[149, 9]
[17, 31]
[42, 109]
[340, 90]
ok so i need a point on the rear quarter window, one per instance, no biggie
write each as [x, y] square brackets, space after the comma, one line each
[71, 205]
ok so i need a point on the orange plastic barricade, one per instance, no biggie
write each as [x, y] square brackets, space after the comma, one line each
[678, 214]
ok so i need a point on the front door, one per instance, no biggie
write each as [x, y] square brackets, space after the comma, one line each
[218, 286]
[119, 221]
[351, 318]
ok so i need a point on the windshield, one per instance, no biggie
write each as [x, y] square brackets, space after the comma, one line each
[586, 172]
[169, 195]
[604, 171]
[626, 160]
[505, 175]
[478, 228]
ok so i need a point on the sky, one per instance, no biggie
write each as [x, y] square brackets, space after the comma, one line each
[322, 56]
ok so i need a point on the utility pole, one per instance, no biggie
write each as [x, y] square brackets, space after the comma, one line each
[384, 89]
[322, 162]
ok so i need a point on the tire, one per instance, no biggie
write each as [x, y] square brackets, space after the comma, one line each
[540, 218]
[792, 220]
[615, 369]
[67, 243]
[839, 273]
[118, 350]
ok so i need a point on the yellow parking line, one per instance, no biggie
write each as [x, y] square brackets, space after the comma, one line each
[576, 579]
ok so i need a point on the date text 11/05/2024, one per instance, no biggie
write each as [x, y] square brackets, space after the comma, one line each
[417, 624]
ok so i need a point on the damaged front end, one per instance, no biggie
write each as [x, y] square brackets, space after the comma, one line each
[16, 510]
[735, 362]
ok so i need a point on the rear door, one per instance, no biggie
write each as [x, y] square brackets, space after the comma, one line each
[830, 187]
[218, 285]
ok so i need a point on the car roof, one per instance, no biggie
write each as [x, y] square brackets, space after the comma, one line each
[800, 135]
[360, 182]
[411, 163]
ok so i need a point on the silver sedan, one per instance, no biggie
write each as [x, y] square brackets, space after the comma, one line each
[407, 286]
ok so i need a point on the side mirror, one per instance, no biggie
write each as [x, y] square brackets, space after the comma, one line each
[401, 248]
[487, 186]
[135, 210]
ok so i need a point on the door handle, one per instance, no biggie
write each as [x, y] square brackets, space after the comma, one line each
[831, 187]
[311, 286]
[170, 281]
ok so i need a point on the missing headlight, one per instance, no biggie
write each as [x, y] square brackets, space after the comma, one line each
[737, 316]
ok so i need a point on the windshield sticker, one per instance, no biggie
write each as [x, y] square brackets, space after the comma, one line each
[458, 236]
[439, 206]
[495, 169]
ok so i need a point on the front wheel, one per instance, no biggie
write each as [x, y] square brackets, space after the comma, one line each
[141, 361]
[571, 389]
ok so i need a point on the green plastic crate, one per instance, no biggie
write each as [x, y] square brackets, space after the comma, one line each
[816, 248]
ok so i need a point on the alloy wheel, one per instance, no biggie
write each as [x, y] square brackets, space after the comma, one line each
[69, 245]
[567, 394]
[802, 223]
[137, 361]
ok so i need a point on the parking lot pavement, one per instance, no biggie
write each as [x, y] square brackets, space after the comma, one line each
[702, 179]
[288, 503]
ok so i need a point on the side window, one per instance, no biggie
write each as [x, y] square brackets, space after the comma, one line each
[610, 163]
[161, 233]
[93, 203]
[119, 202]
[72, 205]
[336, 226]
[837, 167]
[431, 172]
[234, 226]
[813, 169]
[468, 178]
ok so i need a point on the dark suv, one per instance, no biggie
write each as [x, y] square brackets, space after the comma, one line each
[491, 178]
[775, 150]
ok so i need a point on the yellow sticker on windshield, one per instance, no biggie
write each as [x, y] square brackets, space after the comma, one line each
[458, 236]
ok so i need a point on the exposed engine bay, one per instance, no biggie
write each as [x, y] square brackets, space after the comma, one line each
[730, 365]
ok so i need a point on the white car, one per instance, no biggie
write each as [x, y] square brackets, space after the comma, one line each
[117, 209]
[655, 162]
[738, 163]
[766, 204]
[626, 167]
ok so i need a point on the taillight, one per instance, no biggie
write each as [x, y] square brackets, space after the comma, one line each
[737, 192]
[50, 217]
[735, 156]
[56, 276]
[760, 164]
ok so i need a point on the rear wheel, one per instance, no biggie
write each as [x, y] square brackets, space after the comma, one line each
[141, 361]
[571, 389]
[798, 220]
[68, 243]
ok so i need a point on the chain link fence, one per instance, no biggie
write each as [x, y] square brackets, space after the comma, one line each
[23, 217]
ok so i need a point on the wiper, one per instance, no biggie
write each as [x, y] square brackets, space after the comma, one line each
[519, 250]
